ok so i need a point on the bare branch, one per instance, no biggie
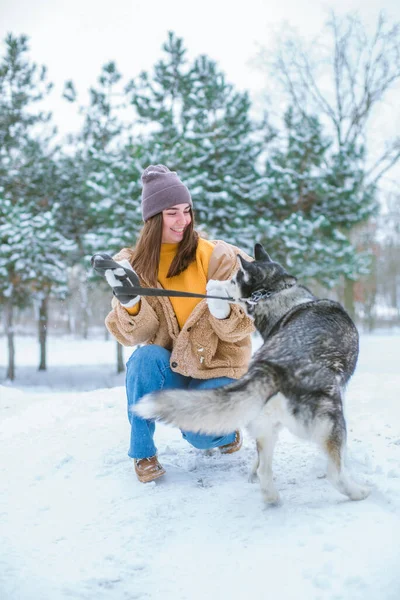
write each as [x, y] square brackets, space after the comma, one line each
[384, 163]
[364, 69]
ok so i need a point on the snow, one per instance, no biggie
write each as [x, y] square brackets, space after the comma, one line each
[75, 522]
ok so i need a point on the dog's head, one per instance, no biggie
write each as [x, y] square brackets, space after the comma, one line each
[261, 277]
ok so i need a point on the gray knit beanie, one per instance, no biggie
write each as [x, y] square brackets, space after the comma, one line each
[162, 189]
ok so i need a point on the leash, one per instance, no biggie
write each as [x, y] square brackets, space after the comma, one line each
[100, 264]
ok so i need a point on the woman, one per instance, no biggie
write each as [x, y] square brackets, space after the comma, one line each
[191, 343]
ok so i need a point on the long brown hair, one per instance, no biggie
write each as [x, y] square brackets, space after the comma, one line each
[145, 257]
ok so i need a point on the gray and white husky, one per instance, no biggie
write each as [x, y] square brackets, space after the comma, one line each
[296, 378]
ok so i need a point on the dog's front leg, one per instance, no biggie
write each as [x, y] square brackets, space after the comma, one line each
[265, 450]
[253, 472]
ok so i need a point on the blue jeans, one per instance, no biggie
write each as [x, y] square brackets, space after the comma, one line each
[148, 370]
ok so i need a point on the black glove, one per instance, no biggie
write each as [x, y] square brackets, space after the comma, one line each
[119, 275]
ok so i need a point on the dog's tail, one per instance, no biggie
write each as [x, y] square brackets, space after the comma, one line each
[212, 411]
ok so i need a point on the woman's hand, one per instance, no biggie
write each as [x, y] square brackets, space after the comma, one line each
[219, 309]
[121, 278]
[121, 281]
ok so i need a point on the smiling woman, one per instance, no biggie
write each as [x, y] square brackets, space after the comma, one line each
[175, 221]
[190, 343]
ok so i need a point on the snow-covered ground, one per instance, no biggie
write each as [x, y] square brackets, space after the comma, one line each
[75, 522]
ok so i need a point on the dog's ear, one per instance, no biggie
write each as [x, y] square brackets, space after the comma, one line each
[261, 254]
[290, 280]
[243, 263]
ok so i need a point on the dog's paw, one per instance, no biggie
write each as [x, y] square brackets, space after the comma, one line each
[271, 497]
[359, 492]
[253, 475]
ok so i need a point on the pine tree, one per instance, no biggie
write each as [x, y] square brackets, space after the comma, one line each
[312, 201]
[101, 206]
[223, 153]
[100, 192]
[160, 107]
[26, 187]
[342, 80]
[196, 123]
[32, 265]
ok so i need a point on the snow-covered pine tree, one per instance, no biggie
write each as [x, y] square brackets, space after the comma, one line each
[343, 77]
[158, 100]
[222, 152]
[32, 265]
[100, 195]
[311, 202]
[347, 199]
[27, 184]
[97, 210]
[196, 123]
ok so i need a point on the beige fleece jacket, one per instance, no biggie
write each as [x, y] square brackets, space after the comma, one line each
[206, 347]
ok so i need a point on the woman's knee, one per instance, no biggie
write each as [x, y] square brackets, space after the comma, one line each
[145, 372]
[148, 356]
[198, 440]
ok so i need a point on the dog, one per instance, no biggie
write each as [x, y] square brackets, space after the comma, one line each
[296, 379]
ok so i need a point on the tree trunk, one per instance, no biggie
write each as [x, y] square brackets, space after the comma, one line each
[349, 297]
[43, 323]
[120, 359]
[9, 314]
[85, 313]
[85, 323]
[69, 319]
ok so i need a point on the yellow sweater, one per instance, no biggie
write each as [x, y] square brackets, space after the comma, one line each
[193, 279]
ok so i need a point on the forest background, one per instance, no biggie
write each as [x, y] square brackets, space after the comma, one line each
[313, 180]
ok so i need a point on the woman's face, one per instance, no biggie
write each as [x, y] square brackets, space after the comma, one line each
[175, 221]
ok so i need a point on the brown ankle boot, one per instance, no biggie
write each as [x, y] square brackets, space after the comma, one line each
[148, 469]
[233, 446]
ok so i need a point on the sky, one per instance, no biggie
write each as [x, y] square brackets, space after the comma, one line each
[75, 38]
